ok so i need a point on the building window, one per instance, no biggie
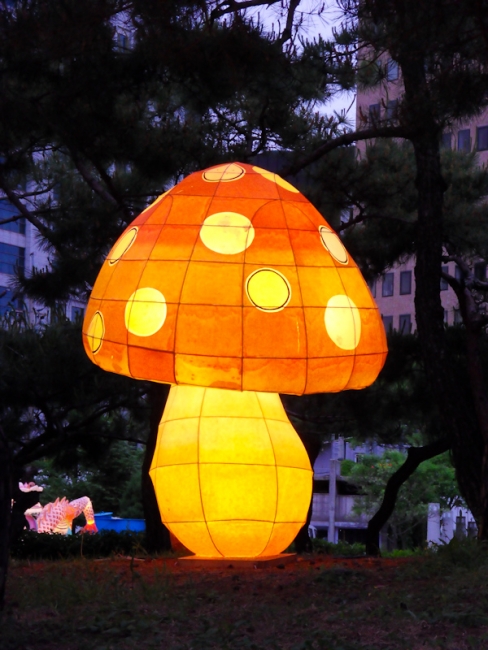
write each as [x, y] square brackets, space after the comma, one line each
[464, 140]
[387, 288]
[391, 70]
[15, 226]
[374, 112]
[7, 211]
[388, 323]
[458, 274]
[12, 259]
[480, 271]
[391, 109]
[372, 287]
[482, 138]
[458, 319]
[405, 282]
[122, 42]
[9, 301]
[77, 314]
[405, 324]
[58, 312]
[446, 141]
[444, 282]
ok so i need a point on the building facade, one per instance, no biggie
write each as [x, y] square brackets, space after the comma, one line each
[394, 292]
[334, 496]
[20, 254]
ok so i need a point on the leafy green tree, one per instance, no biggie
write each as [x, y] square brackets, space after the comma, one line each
[112, 479]
[433, 482]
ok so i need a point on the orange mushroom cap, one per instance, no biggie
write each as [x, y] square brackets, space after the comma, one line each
[232, 279]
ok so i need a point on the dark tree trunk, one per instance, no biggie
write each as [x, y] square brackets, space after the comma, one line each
[480, 398]
[415, 456]
[21, 502]
[5, 509]
[456, 418]
[462, 410]
[157, 535]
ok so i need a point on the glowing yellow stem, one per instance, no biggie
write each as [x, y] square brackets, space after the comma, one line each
[231, 475]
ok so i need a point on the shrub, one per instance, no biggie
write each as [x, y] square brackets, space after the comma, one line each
[340, 549]
[44, 546]
[464, 553]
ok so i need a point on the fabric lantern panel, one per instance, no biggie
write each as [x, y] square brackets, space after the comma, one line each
[234, 485]
[233, 288]
[234, 270]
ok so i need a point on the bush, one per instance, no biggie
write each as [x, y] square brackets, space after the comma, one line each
[44, 546]
[342, 549]
[464, 553]
[404, 552]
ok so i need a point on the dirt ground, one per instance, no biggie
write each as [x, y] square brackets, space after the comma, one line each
[317, 602]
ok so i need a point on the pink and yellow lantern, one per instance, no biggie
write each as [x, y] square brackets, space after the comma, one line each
[232, 288]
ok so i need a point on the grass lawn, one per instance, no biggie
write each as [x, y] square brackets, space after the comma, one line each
[434, 601]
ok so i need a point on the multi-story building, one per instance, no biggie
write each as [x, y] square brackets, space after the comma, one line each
[394, 291]
[20, 253]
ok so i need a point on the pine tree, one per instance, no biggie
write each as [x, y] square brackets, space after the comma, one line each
[440, 48]
[90, 133]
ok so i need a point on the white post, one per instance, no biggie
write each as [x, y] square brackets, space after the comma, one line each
[447, 532]
[331, 533]
[434, 524]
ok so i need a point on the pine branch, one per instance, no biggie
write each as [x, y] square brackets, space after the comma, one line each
[108, 182]
[472, 317]
[327, 419]
[233, 6]
[24, 211]
[91, 181]
[343, 140]
[286, 35]
[12, 219]
[49, 440]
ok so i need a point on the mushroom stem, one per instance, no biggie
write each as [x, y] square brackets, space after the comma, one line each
[231, 475]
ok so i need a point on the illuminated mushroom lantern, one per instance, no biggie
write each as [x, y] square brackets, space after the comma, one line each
[232, 288]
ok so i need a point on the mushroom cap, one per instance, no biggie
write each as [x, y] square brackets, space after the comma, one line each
[232, 279]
